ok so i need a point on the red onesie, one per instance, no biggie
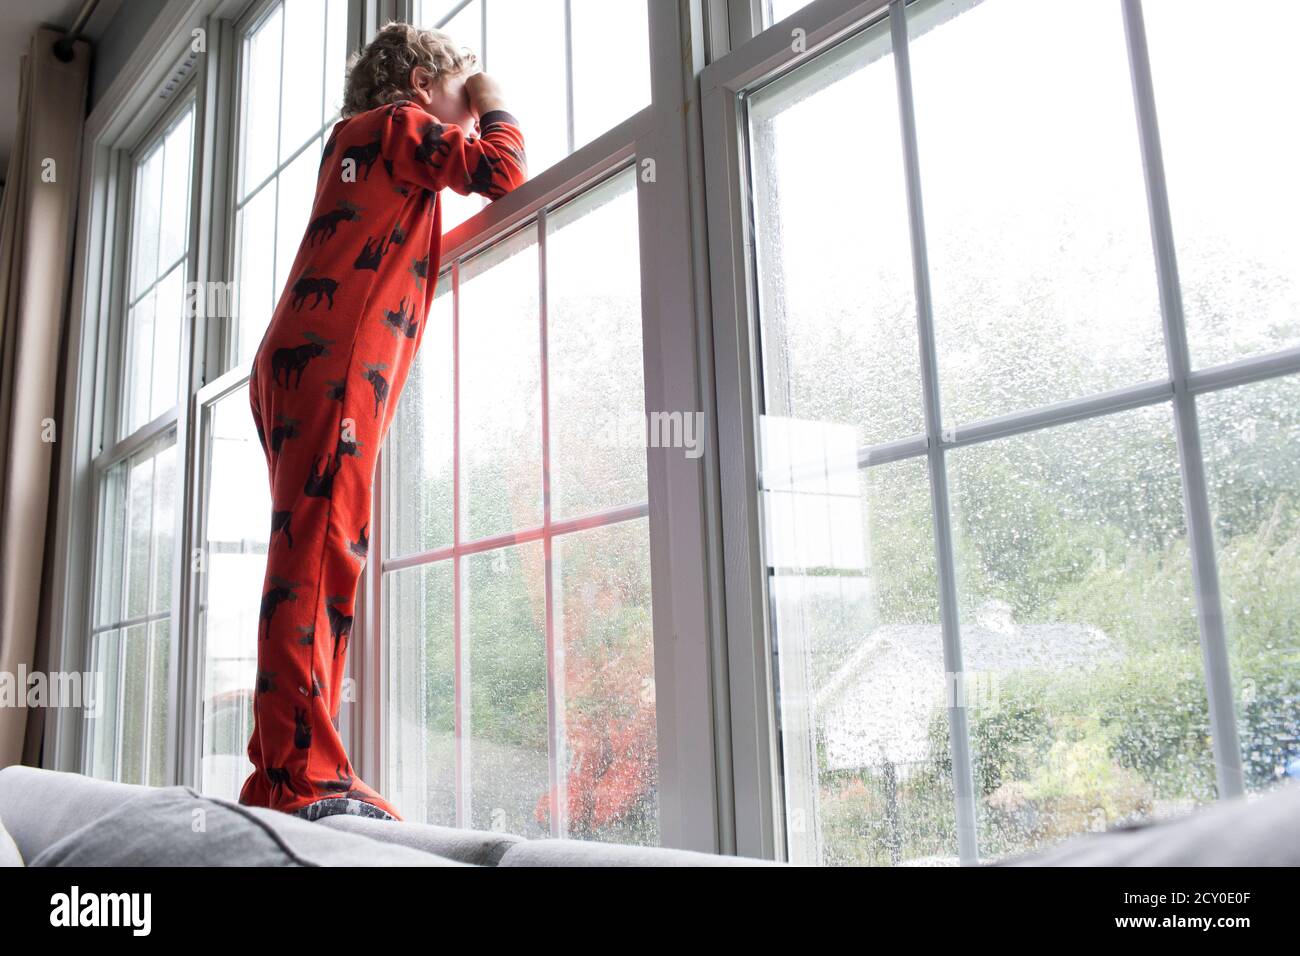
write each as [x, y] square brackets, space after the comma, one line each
[325, 382]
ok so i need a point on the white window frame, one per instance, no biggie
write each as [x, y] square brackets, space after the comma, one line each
[623, 163]
[757, 758]
[692, 783]
[167, 84]
[111, 402]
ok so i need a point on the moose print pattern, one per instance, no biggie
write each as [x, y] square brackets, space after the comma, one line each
[325, 384]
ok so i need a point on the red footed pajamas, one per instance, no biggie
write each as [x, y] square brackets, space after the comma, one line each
[325, 383]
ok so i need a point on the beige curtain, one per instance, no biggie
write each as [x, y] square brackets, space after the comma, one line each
[36, 241]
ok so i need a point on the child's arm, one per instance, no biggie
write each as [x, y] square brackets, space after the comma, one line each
[418, 149]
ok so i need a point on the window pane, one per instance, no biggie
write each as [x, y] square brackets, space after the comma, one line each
[110, 584]
[420, 632]
[602, 620]
[168, 363]
[261, 102]
[835, 286]
[176, 192]
[525, 51]
[1252, 447]
[236, 522]
[860, 669]
[155, 309]
[500, 390]
[1036, 217]
[282, 119]
[611, 64]
[145, 220]
[527, 45]
[157, 712]
[134, 569]
[151, 377]
[466, 30]
[140, 699]
[465, 27]
[504, 633]
[596, 387]
[457, 208]
[303, 77]
[139, 551]
[1078, 614]
[777, 10]
[1231, 142]
[336, 54]
[136, 373]
[297, 191]
[134, 704]
[166, 481]
[418, 456]
[256, 268]
[104, 651]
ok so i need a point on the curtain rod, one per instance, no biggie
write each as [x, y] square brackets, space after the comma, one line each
[63, 46]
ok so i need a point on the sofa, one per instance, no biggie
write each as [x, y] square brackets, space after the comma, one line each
[49, 818]
[66, 819]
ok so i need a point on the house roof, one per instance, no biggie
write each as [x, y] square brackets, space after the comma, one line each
[879, 704]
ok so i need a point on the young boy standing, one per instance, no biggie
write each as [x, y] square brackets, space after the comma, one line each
[328, 373]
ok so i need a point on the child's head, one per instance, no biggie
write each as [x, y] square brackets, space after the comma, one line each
[403, 62]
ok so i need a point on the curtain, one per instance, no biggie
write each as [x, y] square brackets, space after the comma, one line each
[36, 244]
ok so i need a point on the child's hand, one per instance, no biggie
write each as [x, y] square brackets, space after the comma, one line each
[485, 95]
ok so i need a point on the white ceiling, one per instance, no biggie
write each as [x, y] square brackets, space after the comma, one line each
[18, 21]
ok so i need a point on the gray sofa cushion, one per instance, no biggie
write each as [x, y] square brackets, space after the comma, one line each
[1255, 832]
[581, 853]
[479, 847]
[176, 826]
[42, 806]
[9, 855]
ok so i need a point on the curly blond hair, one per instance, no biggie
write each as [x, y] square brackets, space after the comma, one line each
[381, 73]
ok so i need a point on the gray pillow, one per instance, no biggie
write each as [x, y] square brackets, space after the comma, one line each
[9, 855]
[1263, 831]
[42, 806]
[177, 826]
[479, 847]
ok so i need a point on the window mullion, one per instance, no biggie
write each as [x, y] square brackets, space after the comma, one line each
[568, 73]
[1200, 529]
[461, 659]
[554, 674]
[958, 727]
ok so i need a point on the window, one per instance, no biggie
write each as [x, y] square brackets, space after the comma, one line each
[1231, 145]
[137, 477]
[130, 642]
[1253, 470]
[774, 11]
[293, 57]
[228, 581]
[1000, 502]
[159, 250]
[571, 69]
[516, 587]
[1054, 197]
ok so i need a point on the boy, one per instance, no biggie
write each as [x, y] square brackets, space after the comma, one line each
[327, 376]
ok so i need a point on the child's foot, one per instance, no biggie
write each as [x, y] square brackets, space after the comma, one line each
[347, 805]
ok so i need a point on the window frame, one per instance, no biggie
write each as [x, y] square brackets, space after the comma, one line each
[685, 540]
[614, 164]
[109, 394]
[724, 86]
[693, 775]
